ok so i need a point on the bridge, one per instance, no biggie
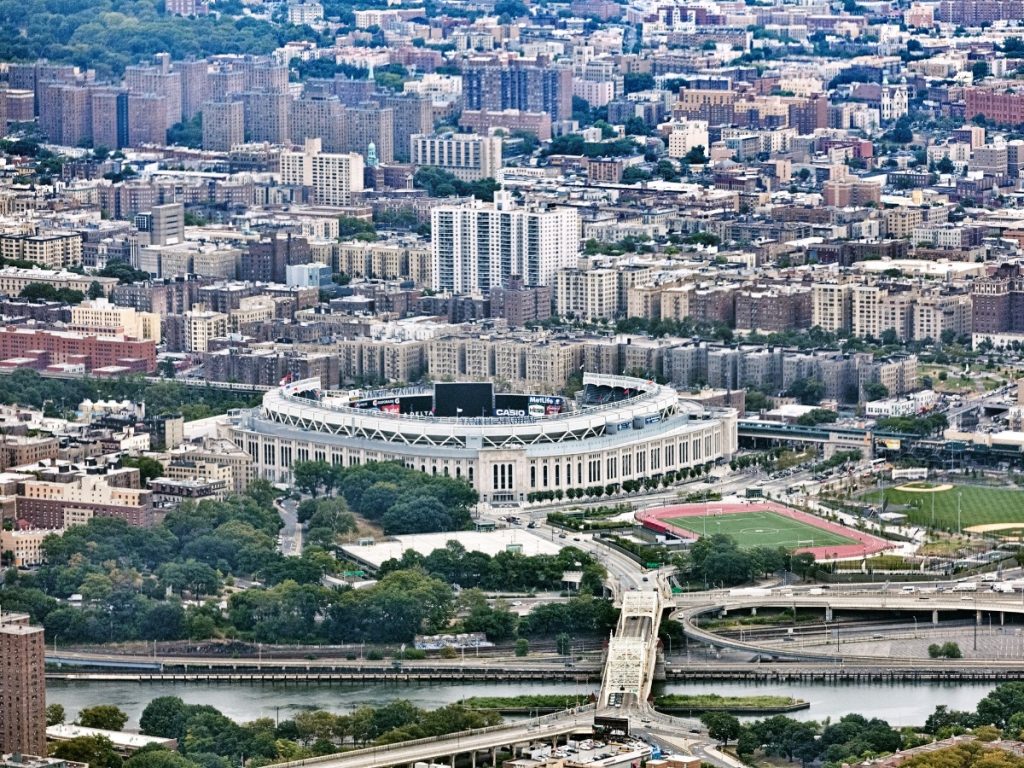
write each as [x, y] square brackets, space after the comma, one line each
[632, 653]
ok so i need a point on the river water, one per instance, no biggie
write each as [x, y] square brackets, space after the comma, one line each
[898, 703]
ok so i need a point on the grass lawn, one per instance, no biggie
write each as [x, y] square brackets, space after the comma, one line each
[979, 505]
[761, 529]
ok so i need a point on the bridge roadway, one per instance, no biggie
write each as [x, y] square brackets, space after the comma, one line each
[690, 609]
[448, 747]
[632, 653]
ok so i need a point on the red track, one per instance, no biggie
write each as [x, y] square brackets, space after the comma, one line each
[656, 520]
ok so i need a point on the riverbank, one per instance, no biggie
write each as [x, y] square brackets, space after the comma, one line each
[696, 704]
[535, 704]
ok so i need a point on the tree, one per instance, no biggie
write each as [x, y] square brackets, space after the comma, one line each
[875, 390]
[721, 726]
[97, 751]
[165, 716]
[563, 644]
[696, 156]
[55, 714]
[46, 292]
[979, 70]
[1001, 704]
[188, 133]
[104, 716]
[148, 468]
[350, 228]
[522, 647]
[945, 165]
[95, 290]
[902, 132]
[166, 368]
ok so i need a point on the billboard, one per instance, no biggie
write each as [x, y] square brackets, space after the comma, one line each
[386, 404]
[518, 406]
[419, 405]
[466, 400]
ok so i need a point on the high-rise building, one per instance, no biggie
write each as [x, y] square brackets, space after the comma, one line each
[477, 246]
[22, 686]
[157, 80]
[223, 125]
[370, 124]
[147, 119]
[65, 114]
[411, 114]
[195, 86]
[331, 177]
[109, 118]
[467, 156]
[266, 116]
[521, 85]
[319, 117]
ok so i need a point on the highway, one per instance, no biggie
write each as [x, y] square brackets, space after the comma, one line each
[481, 740]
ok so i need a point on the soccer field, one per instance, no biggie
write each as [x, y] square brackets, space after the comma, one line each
[760, 529]
[978, 506]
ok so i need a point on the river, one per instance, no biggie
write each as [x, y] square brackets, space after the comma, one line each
[898, 703]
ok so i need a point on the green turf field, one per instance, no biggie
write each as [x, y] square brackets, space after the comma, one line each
[979, 506]
[760, 529]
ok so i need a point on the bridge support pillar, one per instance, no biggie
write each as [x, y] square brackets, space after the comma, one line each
[494, 757]
[472, 759]
[1002, 618]
[935, 617]
[753, 611]
[977, 617]
[828, 613]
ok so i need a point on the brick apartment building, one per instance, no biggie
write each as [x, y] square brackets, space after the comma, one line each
[999, 301]
[45, 504]
[22, 686]
[36, 348]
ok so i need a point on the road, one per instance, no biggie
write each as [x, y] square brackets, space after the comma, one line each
[289, 540]
[410, 752]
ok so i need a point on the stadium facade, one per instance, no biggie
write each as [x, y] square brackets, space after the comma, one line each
[506, 445]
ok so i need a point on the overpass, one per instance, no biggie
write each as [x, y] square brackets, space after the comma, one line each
[979, 604]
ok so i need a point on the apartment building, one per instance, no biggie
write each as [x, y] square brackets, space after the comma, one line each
[466, 156]
[525, 85]
[23, 687]
[477, 246]
[201, 326]
[589, 294]
[875, 310]
[22, 346]
[100, 315]
[44, 503]
[998, 301]
[223, 125]
[332, 178]
[50, 250]
[831, 307]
